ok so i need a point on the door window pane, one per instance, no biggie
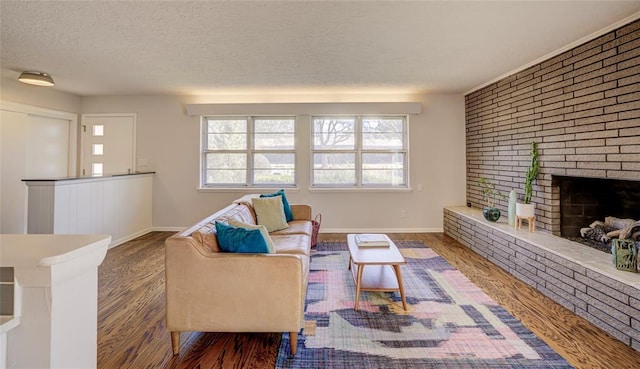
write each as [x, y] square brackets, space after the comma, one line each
[97, 169]
[97, 149]
[98, 130]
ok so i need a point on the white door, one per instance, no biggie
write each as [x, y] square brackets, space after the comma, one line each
[47, 147]
[34, 144]
[108, 144]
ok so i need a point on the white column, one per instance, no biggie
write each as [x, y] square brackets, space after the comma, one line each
[58, 278]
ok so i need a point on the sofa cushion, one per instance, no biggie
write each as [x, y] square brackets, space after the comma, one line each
[246, 199]
[263, 230]
[285, 204]
[297, 227]
[242, 212]
[206, 236]
[292, 244]
[240, 240]
[270, 213]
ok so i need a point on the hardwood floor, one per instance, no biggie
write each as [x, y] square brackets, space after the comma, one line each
[131, 332]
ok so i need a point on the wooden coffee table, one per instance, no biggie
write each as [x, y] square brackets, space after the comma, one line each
[382, 272]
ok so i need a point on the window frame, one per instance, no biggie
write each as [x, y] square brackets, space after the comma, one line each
[249, 151]
[359, 150]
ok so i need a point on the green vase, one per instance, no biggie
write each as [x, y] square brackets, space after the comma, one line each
[491, 214]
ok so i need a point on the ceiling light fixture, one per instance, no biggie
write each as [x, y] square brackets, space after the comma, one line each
[36, 78]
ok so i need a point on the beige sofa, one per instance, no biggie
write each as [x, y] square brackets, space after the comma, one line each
[208, 290]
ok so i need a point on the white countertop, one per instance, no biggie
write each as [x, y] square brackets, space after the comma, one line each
[105, 176]
[27, 250]
[8, 322]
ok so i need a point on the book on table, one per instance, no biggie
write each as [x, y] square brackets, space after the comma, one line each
[372, 240]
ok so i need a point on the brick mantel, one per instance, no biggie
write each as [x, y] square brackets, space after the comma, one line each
[582, 107]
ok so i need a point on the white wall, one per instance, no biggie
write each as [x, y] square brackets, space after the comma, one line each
[169, 140]
[43, 97]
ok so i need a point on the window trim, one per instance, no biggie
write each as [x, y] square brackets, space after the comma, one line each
[358, 150]
[250, 151]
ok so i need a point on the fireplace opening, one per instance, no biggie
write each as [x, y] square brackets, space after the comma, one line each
[583, 201]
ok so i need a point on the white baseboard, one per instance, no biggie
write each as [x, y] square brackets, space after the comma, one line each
[381, 230]
[337, 230]
[167, 229]
[130, 237]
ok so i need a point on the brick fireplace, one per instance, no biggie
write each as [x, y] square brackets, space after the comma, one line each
[583, 109]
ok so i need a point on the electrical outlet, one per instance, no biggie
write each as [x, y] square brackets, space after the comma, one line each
[403, 213]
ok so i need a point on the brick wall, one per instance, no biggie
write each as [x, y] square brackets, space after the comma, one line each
[582, 107]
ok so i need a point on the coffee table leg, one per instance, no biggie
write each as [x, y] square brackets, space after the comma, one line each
[349, 266]
[358, 284]
[396, 267]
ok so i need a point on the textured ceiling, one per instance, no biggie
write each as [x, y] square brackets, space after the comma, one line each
[212, 47]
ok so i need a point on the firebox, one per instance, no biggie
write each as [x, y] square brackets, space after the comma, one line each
[585, 200]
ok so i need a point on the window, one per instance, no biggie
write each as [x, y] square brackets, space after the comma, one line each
[248, 152]
[359, 151]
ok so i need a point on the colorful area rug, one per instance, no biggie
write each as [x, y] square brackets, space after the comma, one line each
[450, 322]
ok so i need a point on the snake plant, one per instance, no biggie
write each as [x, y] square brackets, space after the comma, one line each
[532, 173]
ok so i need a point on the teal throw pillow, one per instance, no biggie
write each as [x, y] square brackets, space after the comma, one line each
[263, 230]
[287, 208]
[240, 240]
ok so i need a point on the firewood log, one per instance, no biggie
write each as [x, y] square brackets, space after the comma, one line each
[619, 223]
[629, 231]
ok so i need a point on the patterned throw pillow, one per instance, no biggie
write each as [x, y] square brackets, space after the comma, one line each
[240, 240]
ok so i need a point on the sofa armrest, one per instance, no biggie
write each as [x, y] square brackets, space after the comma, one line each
[301, 211]
[224, 292]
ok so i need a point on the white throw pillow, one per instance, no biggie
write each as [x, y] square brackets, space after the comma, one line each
[270, 213]
[263, 231]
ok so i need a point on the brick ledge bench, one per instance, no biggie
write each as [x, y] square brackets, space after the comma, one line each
[582, 279]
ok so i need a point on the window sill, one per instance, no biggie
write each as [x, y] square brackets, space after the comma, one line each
[247, 190]
[359, 189]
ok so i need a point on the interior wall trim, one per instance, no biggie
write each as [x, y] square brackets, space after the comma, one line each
[381, 230]
[304, 108]
[337, 230]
